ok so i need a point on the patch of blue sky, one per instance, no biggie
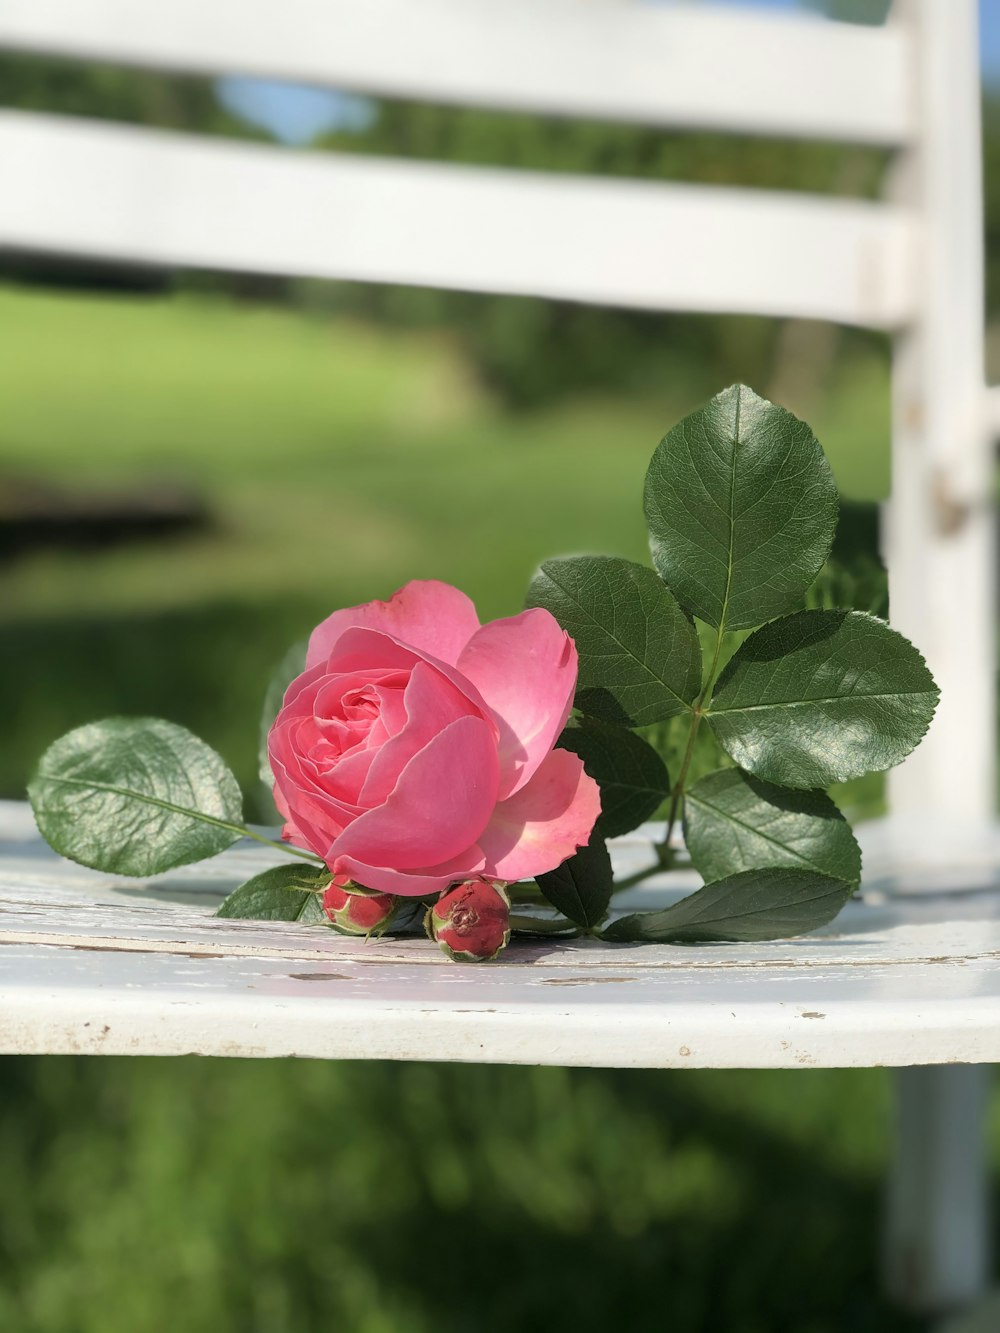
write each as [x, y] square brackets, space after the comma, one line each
[294, 113]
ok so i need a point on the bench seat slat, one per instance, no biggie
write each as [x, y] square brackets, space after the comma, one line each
[94, 964]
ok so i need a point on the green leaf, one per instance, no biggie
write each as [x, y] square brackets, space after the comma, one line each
[631, 775]
[581, 887]
[135, 796]
[291, 665]
[283, 893]
[640, 660]
[734, 822]
[821, 697]
[770, 904]
[741, 506]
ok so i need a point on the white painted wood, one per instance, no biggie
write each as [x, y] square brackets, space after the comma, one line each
[783, 74]
[940, 544]
[940, 539]
[102, 191]
[91, 963]
[937, 1249]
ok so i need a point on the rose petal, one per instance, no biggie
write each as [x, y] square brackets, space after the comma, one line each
[313, 771]
[302, 694]
[346, 779]
[290, 830]
[545, 822]
[439, 806]
[366, 650]
[431, 616]
[392, 713]
[312, 711]
[313, 817]
[303, 688]
[525, 668]
[432, 703]
[333, 694]
[410, 883]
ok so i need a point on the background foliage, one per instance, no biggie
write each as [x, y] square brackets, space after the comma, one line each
[339, 440]
[288, 1197]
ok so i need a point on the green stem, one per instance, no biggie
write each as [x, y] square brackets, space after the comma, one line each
[664, 855]
[560, 928]
[705, 698]
[525, 892]
[637, 876]
[273, 842]
[678, 793]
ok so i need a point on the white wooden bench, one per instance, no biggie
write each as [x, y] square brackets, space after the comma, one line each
[908, 976]
[104, 965]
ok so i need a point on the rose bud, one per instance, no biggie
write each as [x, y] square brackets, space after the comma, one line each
[355, 911]
[472, 921]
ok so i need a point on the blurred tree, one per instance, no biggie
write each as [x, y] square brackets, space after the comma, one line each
[991, 188]
[531, 350]
[871, 12]
[108, 92]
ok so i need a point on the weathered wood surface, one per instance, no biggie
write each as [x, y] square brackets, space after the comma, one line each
[91, 963]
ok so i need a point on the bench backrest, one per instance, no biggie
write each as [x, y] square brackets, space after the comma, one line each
[911, 264]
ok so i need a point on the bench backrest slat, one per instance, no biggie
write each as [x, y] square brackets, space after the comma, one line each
[177, 200]
[775, 74]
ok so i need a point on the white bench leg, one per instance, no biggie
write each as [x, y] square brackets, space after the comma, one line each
[937, 1244]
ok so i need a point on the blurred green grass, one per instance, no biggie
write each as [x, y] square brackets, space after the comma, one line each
[287, 1197]
[338, 462]
[105, 384]
[240, 1197]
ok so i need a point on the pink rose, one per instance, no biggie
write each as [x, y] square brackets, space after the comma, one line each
[415, 750]
[471, 922]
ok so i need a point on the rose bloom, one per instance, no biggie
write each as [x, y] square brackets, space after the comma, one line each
[416, 749]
